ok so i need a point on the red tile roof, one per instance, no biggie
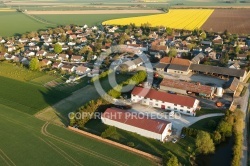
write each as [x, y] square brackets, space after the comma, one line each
[163, 96]
[165, 60]
[136, 120]
[179, 61]
[188, 86]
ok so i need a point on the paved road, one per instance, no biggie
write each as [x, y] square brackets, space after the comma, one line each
[244, 109]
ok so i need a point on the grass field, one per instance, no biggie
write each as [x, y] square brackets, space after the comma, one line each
[89, 19]
[25, 140]
[203, 124]
[188, 19]
[14, 23]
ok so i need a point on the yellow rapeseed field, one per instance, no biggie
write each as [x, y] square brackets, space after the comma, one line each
[188, 19]
[6, 10]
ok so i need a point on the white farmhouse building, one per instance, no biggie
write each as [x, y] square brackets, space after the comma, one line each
[183, 104]
[137, 123]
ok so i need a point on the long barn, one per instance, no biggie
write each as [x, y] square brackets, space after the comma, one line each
[138, 123]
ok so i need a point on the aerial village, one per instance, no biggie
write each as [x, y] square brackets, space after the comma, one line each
[191, 70]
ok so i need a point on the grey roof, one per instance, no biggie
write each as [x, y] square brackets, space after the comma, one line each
[218, 70]
[137, 61]
[161, 65]
[198, 58]
[178, 67]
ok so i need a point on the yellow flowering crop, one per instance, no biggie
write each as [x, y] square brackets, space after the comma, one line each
[188, 19]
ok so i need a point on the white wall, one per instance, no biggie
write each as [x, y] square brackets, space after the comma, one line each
[178, 72]
[168, 106]
[137, 130]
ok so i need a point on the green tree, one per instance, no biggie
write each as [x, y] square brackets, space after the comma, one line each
[204, 143]
[217, 137]
[203, 35]
[34, 64]
[225, 128]
[172, 52]
[58, 48]
[169, 159]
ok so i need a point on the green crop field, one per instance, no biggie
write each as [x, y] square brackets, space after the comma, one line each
[27, 97]
[14, 23]
[26, 140]
[89, 19]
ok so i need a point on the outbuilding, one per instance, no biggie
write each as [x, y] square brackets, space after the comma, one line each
[138, 123]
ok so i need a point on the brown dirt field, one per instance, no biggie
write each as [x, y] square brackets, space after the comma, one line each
[233, 20]
[94, 12]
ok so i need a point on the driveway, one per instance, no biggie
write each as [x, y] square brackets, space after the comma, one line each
[244, 109]
[203, 79]
[178, 121]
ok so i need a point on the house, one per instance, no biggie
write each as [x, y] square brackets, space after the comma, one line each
[235, 65]
[57, 65]
[131, 65]
[64, 47]
[3, 55]
[23, 40]
[28, 53]
[198, 58]
[72, 37]
[241, 56]
[163, 64]
[71, 43]
[34, 48]
[47, 40]
[63, 57]
[51, 56]
[68, 68]
[11, 48]
[184, 87]
[2, 41]
[166, 101]
[179, 66]
[77, 58]
[206, 43]
[141, 124]
[155, 49]
[81, 70]
[41, 53]
[45, 62]
[35, 39]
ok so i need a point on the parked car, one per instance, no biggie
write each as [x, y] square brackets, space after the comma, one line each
[174, 140]
[183, 135]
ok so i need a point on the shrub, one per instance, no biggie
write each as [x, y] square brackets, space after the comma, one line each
[211, 124]
[131, 144]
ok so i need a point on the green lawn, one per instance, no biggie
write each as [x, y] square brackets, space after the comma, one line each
[204, 111]
[203, 124]
[24, 143]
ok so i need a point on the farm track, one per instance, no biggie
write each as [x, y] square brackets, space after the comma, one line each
[61, 152]
[79, 147]
[6, 159]
[94, 12]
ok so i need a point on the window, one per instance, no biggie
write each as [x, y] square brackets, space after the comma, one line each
[168, 106]
[175, 108]
[156, 104]
[175, 105]
[188, 112]
[182, 106]
[181, 110]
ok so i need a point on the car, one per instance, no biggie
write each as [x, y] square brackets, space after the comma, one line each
[183, 135]
[174, 140]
